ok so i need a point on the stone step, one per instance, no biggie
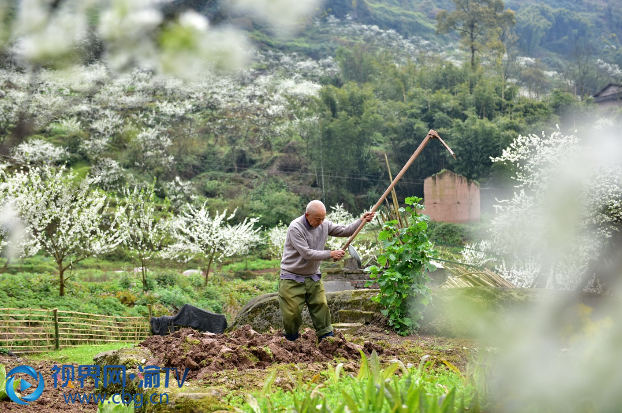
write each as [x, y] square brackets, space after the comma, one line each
[356, 316]
[347, 328]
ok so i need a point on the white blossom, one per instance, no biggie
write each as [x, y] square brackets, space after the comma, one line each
[568, 203]
[66, 219]
[276, 240]
[147, 231]
[38, 152]
[197, 233]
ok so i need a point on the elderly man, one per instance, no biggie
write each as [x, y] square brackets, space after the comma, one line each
[301, 280]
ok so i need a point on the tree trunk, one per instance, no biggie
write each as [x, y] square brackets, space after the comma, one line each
[143, 270]
[209, 265]
[61, 276]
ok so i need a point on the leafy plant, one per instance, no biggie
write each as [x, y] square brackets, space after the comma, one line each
[3, 394]
[108, 407]
[400, 272]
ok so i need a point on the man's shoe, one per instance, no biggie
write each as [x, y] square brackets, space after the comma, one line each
[327, 335]
[292, 337]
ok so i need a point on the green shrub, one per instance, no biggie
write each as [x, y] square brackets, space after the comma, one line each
[401, 270]
[449, 233]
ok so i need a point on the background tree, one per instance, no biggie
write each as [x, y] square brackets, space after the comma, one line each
[147, 228]
[66, 217]
[478, 23]
[196, 233]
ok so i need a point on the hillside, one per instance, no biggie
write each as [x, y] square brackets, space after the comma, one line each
[311, 117]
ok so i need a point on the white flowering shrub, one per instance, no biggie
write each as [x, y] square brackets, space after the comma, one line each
[367, 250]
[108, 173]
[477, 254]
[152, 145]
[38, 152]
[567, 205]
[180, 192]
[68, 220]
[147, 228]
[275, 237]
[196, 233]
[70, 125]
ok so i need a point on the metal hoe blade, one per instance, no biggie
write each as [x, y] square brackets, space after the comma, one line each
[355, 255]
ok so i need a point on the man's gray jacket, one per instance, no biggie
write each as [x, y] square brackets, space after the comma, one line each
[304, 245]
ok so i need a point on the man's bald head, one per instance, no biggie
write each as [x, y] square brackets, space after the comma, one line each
[316, 206]
[316, 212]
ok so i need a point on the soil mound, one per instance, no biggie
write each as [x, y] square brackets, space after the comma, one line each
[245, 348]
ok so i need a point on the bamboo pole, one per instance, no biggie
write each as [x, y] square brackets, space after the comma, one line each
[393, 194]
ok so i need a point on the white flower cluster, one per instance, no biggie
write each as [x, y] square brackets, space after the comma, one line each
[568, 203]
[276, 240]
[197, 233]
[38, 152]
[376, 37]
[63, 218]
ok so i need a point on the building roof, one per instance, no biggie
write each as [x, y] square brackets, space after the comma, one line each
[610, 92]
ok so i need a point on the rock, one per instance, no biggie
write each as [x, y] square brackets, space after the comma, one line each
[191, 400]
[263, 312]
[333, 286]
[356, 316]
[131, 358]
[347, 328]
[351, 263]
[191, 272]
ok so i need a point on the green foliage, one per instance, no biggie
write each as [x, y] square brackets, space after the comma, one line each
[79, 354]
[449, 233]
[478, 23]
[3, 394]
[419, 389]
[122, 295]
[273, 202]
[110, 406]
[401, 273]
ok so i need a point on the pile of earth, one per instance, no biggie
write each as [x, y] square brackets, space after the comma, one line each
[244, 348]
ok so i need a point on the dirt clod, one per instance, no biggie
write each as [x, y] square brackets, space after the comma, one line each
[247, 349]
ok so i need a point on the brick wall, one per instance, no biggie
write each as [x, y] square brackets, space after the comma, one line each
[449, 197]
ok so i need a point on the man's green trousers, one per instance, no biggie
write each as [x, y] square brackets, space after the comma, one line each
[292, 298]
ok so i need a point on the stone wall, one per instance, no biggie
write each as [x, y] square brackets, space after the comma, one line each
[355, 277]
[449, 197]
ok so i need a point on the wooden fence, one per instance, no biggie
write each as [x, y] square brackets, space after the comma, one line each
[29, 330]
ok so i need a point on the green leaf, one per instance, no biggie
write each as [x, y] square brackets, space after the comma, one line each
[448, 403]
[3, 394]
[364, 369]
[352, 405]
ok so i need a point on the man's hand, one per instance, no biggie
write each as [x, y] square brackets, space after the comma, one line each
[337, 254]
[368, 216]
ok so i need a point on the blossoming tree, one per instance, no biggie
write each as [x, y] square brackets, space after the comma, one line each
[65, 217]
[147, 228]
[567, 206]
[196, 233]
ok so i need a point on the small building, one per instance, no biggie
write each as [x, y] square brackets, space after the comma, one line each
[449, 197]
[609, 96]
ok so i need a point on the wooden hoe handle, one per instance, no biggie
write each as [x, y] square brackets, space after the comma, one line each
[432, 134]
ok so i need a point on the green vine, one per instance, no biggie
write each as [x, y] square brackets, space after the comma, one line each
[400, 272]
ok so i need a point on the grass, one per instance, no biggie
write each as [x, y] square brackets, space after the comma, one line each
[79, 355]
[251, 265]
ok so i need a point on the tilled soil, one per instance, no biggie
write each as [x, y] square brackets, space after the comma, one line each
[52, 399]
[243, 349]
